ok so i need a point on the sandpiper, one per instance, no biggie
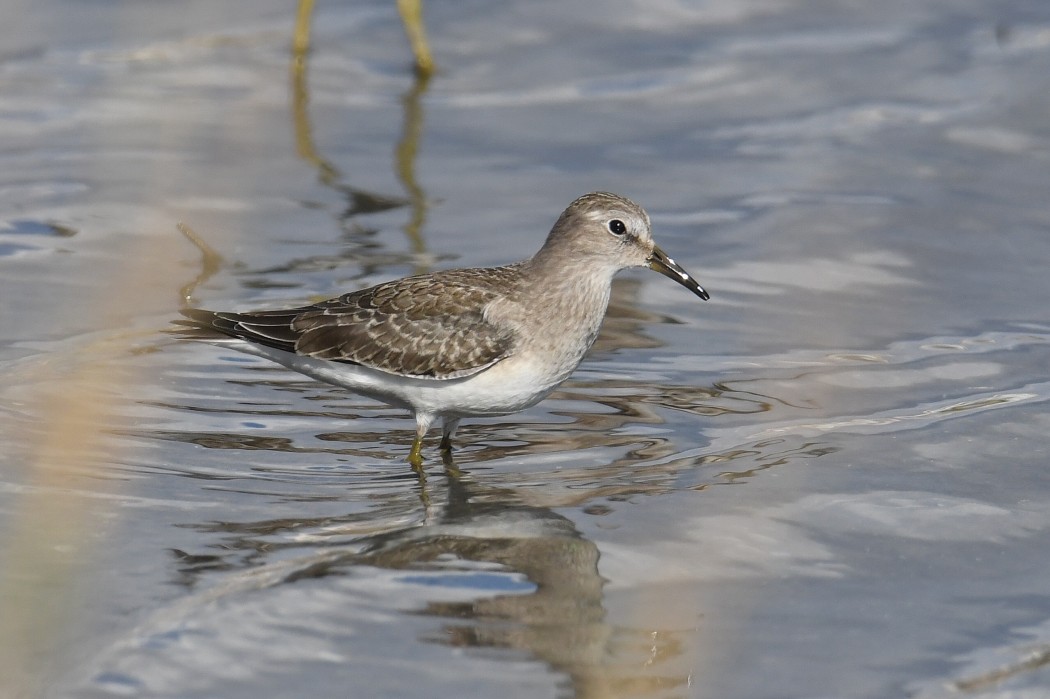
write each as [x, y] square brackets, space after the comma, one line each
[463, 342]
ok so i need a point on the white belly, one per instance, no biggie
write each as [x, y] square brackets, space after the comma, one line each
[507, 387]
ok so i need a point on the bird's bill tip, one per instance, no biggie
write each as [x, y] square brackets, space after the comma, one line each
[660, 262]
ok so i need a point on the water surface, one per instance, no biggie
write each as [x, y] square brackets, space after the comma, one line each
[831, 480]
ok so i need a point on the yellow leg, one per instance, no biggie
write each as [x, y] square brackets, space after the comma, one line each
[412, 17]
[415, 455]
[451, 470]
[301, 38]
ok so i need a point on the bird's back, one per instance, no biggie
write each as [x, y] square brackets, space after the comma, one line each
[428, 326]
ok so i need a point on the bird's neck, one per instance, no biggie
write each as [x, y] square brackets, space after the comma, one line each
[572, 298]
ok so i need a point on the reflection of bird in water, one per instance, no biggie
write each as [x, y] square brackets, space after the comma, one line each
[560, 622]
[463, 342]
[548, 603]
[477, 530]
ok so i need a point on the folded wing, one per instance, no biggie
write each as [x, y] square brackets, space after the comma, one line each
[432, 326]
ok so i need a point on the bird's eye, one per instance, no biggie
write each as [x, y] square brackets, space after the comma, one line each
[617, 227]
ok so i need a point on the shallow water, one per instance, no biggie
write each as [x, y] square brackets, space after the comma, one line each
[830, 480]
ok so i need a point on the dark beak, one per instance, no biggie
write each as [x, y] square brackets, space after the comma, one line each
[663, 264]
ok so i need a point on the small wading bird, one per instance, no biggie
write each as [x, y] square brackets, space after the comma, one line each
[463, 342]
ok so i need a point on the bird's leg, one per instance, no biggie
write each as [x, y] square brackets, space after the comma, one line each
[448, 428]
[451, 470]
[415, 454]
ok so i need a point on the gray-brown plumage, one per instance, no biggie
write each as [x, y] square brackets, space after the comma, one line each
[431, 326]
[468, 341]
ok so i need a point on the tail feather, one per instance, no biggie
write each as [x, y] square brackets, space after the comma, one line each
[272, 329]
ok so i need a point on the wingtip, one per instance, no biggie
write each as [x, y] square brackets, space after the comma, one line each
[199, 315]
[199, 323]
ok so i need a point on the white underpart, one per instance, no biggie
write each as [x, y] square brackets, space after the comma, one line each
[508, 386]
